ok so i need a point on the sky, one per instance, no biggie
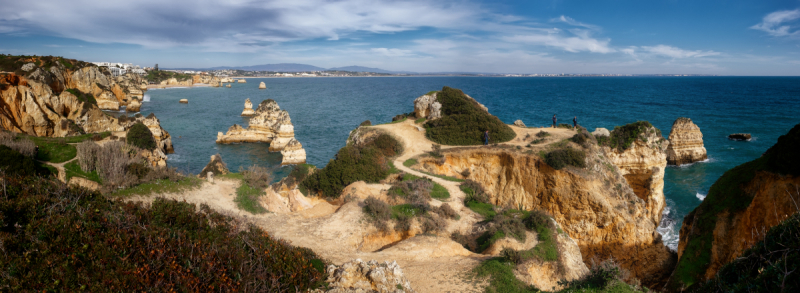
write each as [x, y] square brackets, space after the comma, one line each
[729, 37]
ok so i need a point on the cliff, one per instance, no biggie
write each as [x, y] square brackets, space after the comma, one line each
[269, 124]
[685, 143]
[740, 207]
[595, 206]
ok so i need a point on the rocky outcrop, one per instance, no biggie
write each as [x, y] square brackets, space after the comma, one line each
[642, 165]
[740, 136]
[269, 124]
[183, 101]
[601, 132]
[32, 108]
[740, 207]
[519, 123]
[427, 106]
[293, 153]
[371, 276]
[594, 206]
[134, 105]
[225, 80]
[215, 166]
[546, 275]
[242, 80]
[174, 81]
[685, 143]
[248, 109]
[262, 85]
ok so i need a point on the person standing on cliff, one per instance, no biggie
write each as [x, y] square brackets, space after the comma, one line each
[575, 122]
[486, 137]
[554, 121]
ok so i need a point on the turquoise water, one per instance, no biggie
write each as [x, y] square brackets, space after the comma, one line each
[325, 110]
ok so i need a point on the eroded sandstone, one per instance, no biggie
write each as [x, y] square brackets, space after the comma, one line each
[685, 143]
[269, 124]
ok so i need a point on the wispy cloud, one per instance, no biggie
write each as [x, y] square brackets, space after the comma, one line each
[570, 21]
[775, 25]
[676, 53]
[568, 43]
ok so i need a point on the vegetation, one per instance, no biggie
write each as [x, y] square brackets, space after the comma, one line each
[477, 200]
[157, 76]
[22, 145]
[419, 120]
[410, 162]
[562, 157]
[542, 134]
[12, 63]
[12, 162]
[140, 136]
[622, 137]
[768, 266]
[367, 161]
[83, 97]
[159, 186]
[69, 239]
[73, 169]
[255, 179]
[463, 122]
[366, 123]
[728, 197]
[54, 150]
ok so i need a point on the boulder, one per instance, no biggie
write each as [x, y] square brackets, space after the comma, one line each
[133, 106]
[740, 136]
[519, 123]
[242, 81]
[262, 85]
[183, 101]
[293, 153]
[248, 109]
[426, 106]
[215, 166]
[685, 143]
[371, 276]
[601, 132]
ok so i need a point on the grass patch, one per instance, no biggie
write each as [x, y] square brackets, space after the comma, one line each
[410, 162]
[431, 92]
[392, 168]
[398, 121]
[501, 277]
[406, 210]
[463, 122]
[448, 178]
[160, 186]
[74, 169]
[54, 150]
[420, 120]
[439, 192]
[484, 209]
[247, 199]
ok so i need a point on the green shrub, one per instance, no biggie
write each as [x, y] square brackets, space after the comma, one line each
[137, 169]
[140, 136]
[446, 211]
[377, 209]
[366, 123]
[439, 192]
[564, 125]
[299, 173]
[410, 162]
[12, 162]
[542, 134]
[368, 162]
[83, 97]
[72, 240]
[622, 137]
[73, 169]
[463, 122]
[562, 157]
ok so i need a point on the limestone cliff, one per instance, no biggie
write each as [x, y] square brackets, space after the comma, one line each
[269, 124]
[426, 106]
[175, 81]
[248, 109]
[741, 206]
[685, 143]
[293, 153]
[595, 205]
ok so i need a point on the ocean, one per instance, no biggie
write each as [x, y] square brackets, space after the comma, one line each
[325, 110]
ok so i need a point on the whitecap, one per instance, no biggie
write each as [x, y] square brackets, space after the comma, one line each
[146, 98]
[701, 196]
[667, 228]
[708, 160]
[174, 158]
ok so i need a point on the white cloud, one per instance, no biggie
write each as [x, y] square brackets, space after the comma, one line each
[570, 44]
[772, 24]
[391, 52]
[573, 22]
[676, 53]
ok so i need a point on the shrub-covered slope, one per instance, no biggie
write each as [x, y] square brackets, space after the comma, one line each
[55, 238]
[464, 121]
[751, 197]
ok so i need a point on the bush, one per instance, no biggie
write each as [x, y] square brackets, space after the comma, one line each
[436, 151]
[583, 137]
[511, 255]
[255, 176]
[87, 155]
[564, 125]
[367, 162]
[560, 158]
[112, 158]
[474, 192]
[622, 137]
[463, 122]
[542, 134]
[101, 245]
[12, 162]
[366, 123]
[25, 147]
[446, 211]
[432, 224]
[88, 99]
[502, 225]
[139, 170]
[140, 136]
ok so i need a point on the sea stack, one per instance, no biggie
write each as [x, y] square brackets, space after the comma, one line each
[242, 81]
[269, 124]
[685, 143]
[262, 86]
[740, 136]
[293, 153]
[248, 109]
[184, 101]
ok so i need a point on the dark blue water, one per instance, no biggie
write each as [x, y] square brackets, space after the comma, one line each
[325, 110]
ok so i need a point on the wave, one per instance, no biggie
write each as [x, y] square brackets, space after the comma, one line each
[701, 196]
[708, 160]
[668, 228]
[175, 158]
[146, 98]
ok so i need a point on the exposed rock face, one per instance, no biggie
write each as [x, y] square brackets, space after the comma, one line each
[31, 107]
[93, 80]
[293, 153]
[372, 276]
[242, 81]
[740, 207]
[643, 166]
[601, 132]
[248, 109]
[226, 79]
[740, 136]
[426, 106]
[133, 106]
[596, 207]
[685, 143]
[546, 275]
[269, 124]
[174, 81]
[519, 123]
[262, 85]
[216, 166]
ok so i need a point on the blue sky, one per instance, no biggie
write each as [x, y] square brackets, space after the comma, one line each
[636, 37]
